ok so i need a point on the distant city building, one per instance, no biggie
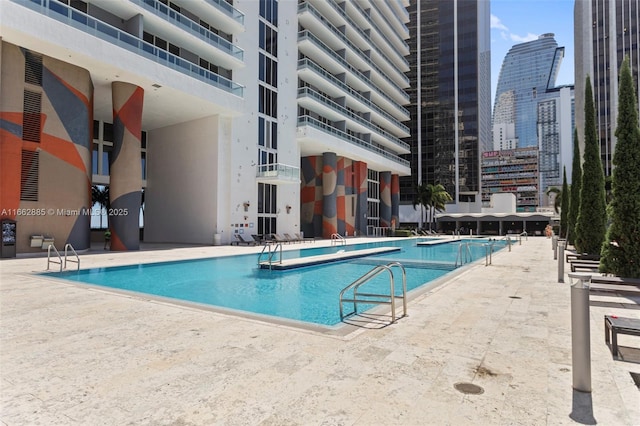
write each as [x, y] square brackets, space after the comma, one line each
[555, 139]
[529, 111]
[513, 171]
[450, 99]
[528, 71]
[604, 33]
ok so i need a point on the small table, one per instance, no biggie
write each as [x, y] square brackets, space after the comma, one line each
[614, 325]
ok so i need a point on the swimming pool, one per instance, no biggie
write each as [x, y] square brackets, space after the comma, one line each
[308, 294]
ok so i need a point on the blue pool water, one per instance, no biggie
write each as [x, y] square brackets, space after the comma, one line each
[308, 294]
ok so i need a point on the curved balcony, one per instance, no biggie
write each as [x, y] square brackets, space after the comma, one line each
[305, 120]
[344, 89]
[366, 83]
[366, 60]
[191, 27]
[341, 112]
[90, 25]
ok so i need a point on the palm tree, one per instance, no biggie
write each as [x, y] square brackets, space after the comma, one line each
[100, 195]
[439, 198]
[422, 198]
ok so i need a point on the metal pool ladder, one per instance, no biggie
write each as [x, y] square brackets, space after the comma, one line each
[374, 298]
[337, 239]
[63, 264]
[270, 254]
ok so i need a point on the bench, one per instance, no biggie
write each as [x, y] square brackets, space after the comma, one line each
[584, 265]
[614, 325]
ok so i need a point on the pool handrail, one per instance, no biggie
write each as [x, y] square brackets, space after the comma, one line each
[388, 299]
[338, 239]
[49, 260]
[269, 260]
[76, 260]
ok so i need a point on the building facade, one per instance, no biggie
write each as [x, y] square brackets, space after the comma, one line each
[450, 99]
[604, 33]
[528, 71]
[513, 171]
[240, 117]
[531, 112]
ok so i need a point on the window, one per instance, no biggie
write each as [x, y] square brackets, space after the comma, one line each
[267, 208]
[29, 176]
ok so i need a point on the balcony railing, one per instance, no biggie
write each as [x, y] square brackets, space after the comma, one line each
[306, 120]
[307, 91]
[90, 25]
[278, 172]
[228, 10]
[305, 34]
[376, 27]
[190, 26]
[302, 7]
[355, 27]
[308, 63]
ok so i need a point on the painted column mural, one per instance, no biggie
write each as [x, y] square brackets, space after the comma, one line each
[311, 196]
[125, 167]
[360, 179]
[385, 198]
[395, 199]
[329, 194]
[46, 121]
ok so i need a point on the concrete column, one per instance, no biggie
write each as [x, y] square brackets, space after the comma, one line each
[385, 198]
[329, 194]
[125, 168]
[395, 199]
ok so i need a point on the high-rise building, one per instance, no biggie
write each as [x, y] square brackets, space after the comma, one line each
[531, 112]
[450, 99]
[604, 33]
[233, 117]
[528, 71]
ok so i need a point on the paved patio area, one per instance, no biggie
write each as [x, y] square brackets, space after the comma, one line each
[74, 355]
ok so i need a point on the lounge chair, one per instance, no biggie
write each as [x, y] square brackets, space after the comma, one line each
[279, 238]
[245, 239]
[292, 239]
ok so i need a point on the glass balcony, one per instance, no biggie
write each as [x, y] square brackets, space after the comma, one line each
[90, 25]
[306, 7]
[305, 120]
[400, 145]
[190, 26]
[228, 10]
[375, 26]
[355, 27]
[277, 173]
[308, 63]
[305, 34]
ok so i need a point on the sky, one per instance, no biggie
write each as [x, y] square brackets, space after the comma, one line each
[518, 21]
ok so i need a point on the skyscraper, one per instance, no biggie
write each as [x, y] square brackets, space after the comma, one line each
[528, 71]
[604, 33]
[450, 98]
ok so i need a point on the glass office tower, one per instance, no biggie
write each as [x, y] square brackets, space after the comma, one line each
[604, 33]
[450, 89]
[528, 72]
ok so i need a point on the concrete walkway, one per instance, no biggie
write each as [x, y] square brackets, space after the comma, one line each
[74, 355]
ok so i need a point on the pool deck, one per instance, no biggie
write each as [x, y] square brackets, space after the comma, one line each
[76, 355]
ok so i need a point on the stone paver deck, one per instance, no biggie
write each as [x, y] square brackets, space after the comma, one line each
[74, 355]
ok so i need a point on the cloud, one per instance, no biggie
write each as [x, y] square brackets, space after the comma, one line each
[508, 35]
[495, 23]
[523, 39]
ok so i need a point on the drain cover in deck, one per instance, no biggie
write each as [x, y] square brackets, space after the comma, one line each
[468, 388]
